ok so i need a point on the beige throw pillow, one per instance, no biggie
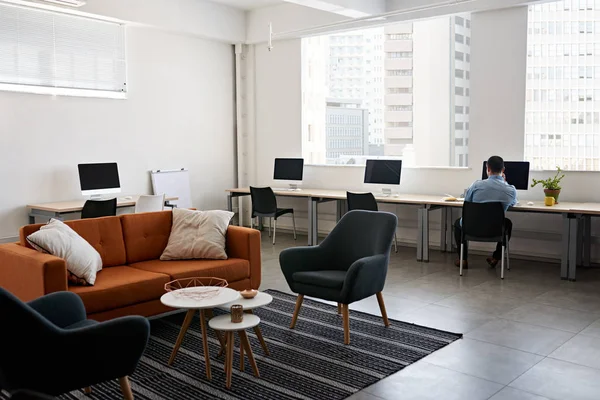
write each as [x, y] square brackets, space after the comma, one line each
[58, 239]
[197, 234]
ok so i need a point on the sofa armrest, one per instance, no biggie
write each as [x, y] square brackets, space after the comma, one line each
[245, 243]
[30, 274]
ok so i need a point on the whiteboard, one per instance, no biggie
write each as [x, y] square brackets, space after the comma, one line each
[174, 183]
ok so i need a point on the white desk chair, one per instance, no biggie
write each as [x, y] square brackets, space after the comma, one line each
[147, 203]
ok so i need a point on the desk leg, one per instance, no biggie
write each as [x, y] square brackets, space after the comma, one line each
[426, 234]
[579, 254]
[420, 234]
[340, 210]
[587, 240]
[573, 233]
[31, 219]
[564, 263]
[315, 221]
[310, 222]
[443, 229]
[450, 230]
[229, 202]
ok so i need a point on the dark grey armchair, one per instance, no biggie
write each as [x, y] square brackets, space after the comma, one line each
[349, 265]
[48, 345]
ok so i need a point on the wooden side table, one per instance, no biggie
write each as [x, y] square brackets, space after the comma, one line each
[204, 306]
[223, 323]
[260, 300]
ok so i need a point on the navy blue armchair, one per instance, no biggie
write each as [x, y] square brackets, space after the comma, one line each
[48, 345]
[349, 265]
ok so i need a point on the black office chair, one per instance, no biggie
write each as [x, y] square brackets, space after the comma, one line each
[48, 346]
[484, 222]
[366, 201]
[264, 204]
[99, 208]
[349, 265]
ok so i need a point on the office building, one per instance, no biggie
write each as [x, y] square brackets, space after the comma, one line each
[562, 125]
[347, 130]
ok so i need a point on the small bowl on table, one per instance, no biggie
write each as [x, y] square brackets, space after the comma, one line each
[249, 293]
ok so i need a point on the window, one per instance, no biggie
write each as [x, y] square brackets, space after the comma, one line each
[459, 55]
[380, 97]
[561, 125]
[53, 53]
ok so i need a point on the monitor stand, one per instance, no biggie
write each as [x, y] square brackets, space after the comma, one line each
[386, 192]
[96, 197]
[294, 187]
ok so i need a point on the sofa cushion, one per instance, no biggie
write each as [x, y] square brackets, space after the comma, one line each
[233, 269]
[146, 235]
[328, 279]
[119, 287]
[104, 234]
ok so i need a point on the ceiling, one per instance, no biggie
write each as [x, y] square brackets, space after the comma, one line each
[248, 4]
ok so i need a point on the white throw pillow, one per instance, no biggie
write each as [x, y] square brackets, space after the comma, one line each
[58, 239]
[197, 234]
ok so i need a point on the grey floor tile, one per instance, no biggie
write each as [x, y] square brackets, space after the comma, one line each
[509, 393]
[574, 300]
[362, 395]
[426, 291]
[512, 288]
[560, 380]
[395, 306]
[592, 330]
[484, 360]
[423, 381]
[552, 317]
[581, 349]
[521, 336]
[481, 302]
[447, 319]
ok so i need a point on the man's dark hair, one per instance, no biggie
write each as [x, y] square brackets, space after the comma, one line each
[495, 164]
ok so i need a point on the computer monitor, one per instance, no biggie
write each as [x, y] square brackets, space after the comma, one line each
[516, 172]
[383, 172]
[99, 179]
[289, 169]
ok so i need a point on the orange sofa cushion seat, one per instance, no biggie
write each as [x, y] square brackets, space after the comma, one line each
[104, 234]
[121, 286]
[146, 235]
[233, 269]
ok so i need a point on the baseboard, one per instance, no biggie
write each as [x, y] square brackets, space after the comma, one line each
[9, 239]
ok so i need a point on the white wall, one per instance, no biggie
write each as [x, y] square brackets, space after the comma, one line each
[497, 127]
[179, 113]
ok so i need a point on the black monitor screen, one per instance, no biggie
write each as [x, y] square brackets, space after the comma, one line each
[384, 172]
[288, 169]
[99, 176]
[517, 173]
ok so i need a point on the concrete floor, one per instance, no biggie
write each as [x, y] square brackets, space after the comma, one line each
[529, 337]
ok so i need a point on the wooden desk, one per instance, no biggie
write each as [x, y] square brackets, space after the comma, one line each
[57, 209]
[576, 224]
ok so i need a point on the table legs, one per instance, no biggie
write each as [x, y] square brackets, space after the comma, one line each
[244, 348]
[229, 359]
[186, 324]
[259, 336]
[205, 344]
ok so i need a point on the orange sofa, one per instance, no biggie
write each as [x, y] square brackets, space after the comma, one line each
[133, 278]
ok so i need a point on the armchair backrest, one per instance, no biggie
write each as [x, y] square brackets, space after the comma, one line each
[22, 327]
[360, 234]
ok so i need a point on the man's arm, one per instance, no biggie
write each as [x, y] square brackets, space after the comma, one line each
[469, 195]
[513, 196]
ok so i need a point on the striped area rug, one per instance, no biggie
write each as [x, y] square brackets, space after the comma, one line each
[308, 362]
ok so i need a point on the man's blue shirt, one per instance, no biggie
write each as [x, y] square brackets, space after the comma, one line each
[494, 188]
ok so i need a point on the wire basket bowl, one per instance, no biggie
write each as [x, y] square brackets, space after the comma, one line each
[198, 288]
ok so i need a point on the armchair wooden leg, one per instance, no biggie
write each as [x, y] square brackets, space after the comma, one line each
[87, 390]
[339, 308]
[125, 388]
[382, 308]
[346, 316]
[296, 310]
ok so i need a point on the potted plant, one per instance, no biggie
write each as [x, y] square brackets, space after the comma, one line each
[551, 185]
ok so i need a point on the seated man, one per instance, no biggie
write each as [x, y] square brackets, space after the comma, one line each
[495, 188]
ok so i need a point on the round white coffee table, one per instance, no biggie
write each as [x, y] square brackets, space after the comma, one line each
[260, 300]
[223, 323]
[177, 299]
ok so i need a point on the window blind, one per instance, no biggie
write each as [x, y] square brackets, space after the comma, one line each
[46, 49]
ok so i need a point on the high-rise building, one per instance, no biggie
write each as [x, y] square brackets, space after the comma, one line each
[412, 78]
[347, 130]
[562, 120]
